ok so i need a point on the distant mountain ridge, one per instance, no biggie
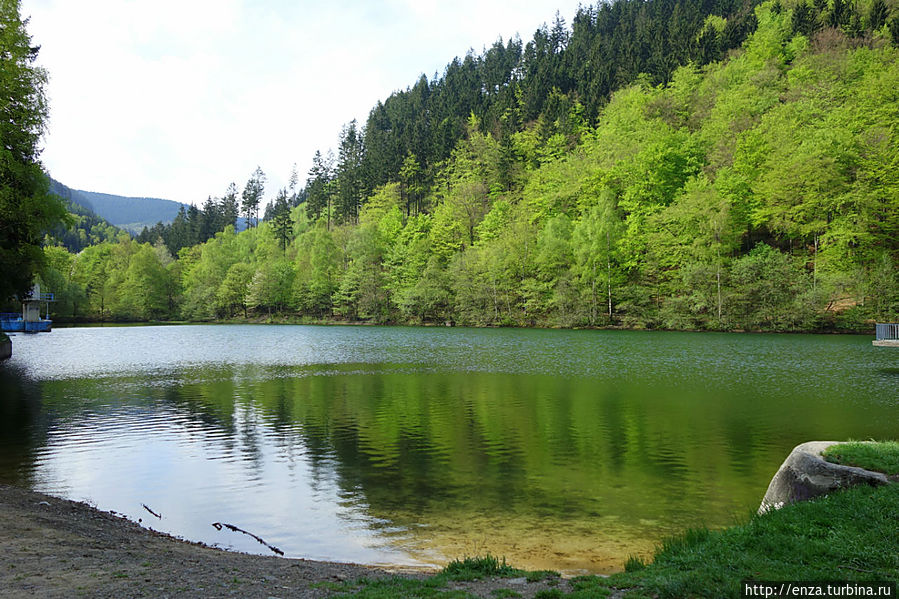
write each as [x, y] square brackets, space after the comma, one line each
[129, 213]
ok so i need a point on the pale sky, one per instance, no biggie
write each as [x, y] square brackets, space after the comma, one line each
[177, 98]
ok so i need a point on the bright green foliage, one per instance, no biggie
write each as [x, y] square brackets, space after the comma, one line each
[756, 193]
[207, 265]
[595, 241]
[851, 532]
[881, 456]
[57, 274]
[90, 272]
[232, 293]
[317, 271]
[143, 292]
[271, 286]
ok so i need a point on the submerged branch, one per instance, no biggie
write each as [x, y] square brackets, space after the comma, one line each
[219, 525]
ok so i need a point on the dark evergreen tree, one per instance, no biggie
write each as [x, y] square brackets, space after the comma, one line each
[282, 223]
[878, 14]
[229, 207]
[350, 184]
[252, 196]
[193, 225]
[178, 233]
[805, 19]
[318, 188]
[839, 14]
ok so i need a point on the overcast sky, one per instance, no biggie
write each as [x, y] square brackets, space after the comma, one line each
[178, 98]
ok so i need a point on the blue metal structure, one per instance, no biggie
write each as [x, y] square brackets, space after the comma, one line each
[29, 320]
[11, 322]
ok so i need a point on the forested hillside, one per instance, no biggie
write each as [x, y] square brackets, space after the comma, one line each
[83, 227]
[128, 213]
[759, 191]
[551, 86]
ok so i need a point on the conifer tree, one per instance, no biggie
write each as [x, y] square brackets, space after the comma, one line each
[252, 196]
[229, 207]
[282, 223]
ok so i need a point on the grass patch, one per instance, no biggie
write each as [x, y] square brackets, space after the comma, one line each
[634, 564]
[850, 535]
[880, 457]
[397, 586]
[475, 568]
[537, 575]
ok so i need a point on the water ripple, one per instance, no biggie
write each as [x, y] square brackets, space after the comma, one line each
[403, 444]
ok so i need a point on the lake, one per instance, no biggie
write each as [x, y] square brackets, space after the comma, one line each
[568, 450]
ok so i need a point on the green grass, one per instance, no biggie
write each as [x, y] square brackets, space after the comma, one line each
[850, 535]
[475, 568]
[880, 457]
[398, 586]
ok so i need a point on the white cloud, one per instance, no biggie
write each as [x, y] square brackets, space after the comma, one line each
[177, 98]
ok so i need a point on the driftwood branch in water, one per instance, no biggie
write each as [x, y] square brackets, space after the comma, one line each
[219, 525]
[151, 511]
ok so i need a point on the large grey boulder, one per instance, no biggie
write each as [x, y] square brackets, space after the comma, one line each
[805, 475]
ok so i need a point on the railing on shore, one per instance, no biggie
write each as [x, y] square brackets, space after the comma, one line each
[887, 334]
[887, 331]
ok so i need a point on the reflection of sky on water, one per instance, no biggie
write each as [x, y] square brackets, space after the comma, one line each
[194, 476]
[558, 449]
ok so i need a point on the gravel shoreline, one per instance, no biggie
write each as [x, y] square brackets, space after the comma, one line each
[52, 547]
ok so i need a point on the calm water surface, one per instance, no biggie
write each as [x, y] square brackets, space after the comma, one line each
[567, 450]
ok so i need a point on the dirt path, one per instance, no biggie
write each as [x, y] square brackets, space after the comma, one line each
[52, 547]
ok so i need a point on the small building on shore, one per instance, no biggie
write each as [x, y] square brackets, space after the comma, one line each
[30, 320]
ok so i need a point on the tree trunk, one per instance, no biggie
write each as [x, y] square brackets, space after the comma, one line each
[495, 305]
[609, 271]
[718, 278]
[815, 266]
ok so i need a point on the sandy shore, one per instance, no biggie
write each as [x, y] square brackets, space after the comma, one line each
[51, 547]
